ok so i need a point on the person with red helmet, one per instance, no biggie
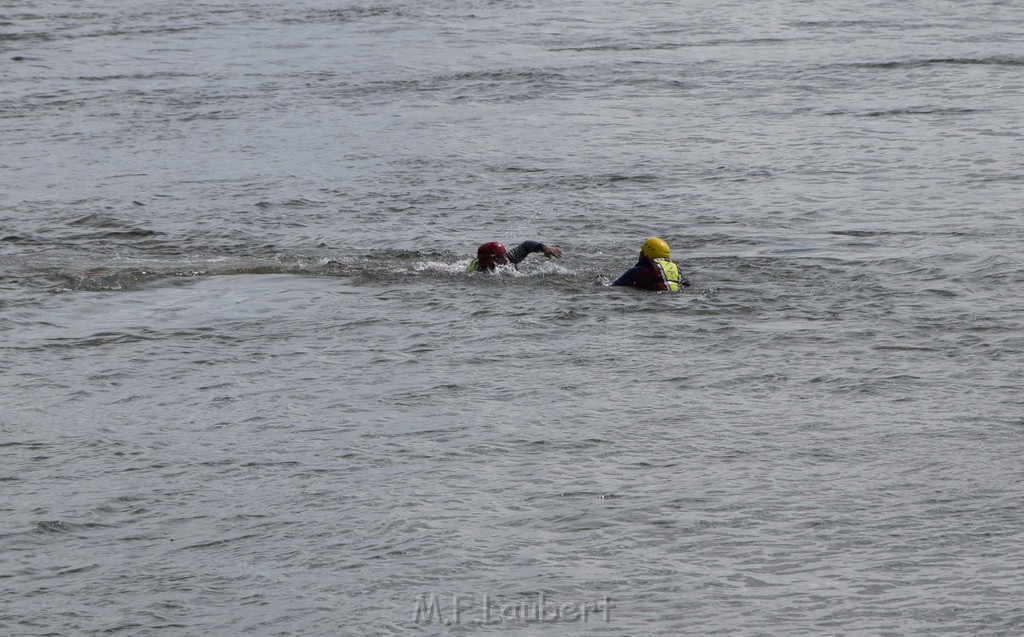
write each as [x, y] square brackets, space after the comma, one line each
[492, 254]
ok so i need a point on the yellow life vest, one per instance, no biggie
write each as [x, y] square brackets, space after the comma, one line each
[669, 274]
[474, 266]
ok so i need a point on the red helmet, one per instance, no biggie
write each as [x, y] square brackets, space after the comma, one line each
[488, 253]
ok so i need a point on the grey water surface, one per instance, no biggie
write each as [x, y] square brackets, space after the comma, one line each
[248, 388]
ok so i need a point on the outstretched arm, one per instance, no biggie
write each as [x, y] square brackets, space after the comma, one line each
[526, 248]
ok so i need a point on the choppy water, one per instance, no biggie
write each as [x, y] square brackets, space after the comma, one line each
[248, 389]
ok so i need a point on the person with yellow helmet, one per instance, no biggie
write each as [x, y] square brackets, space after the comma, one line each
[654, 271]
[492, 254]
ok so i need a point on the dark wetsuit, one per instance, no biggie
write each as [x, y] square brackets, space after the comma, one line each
[647, 276]
[515, 255]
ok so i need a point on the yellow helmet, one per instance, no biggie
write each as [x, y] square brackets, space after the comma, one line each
[654, 248]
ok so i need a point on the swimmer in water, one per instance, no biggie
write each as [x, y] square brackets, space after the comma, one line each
[491, 255]
[654, 271]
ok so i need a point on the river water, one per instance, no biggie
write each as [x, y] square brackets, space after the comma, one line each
[247, 387]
